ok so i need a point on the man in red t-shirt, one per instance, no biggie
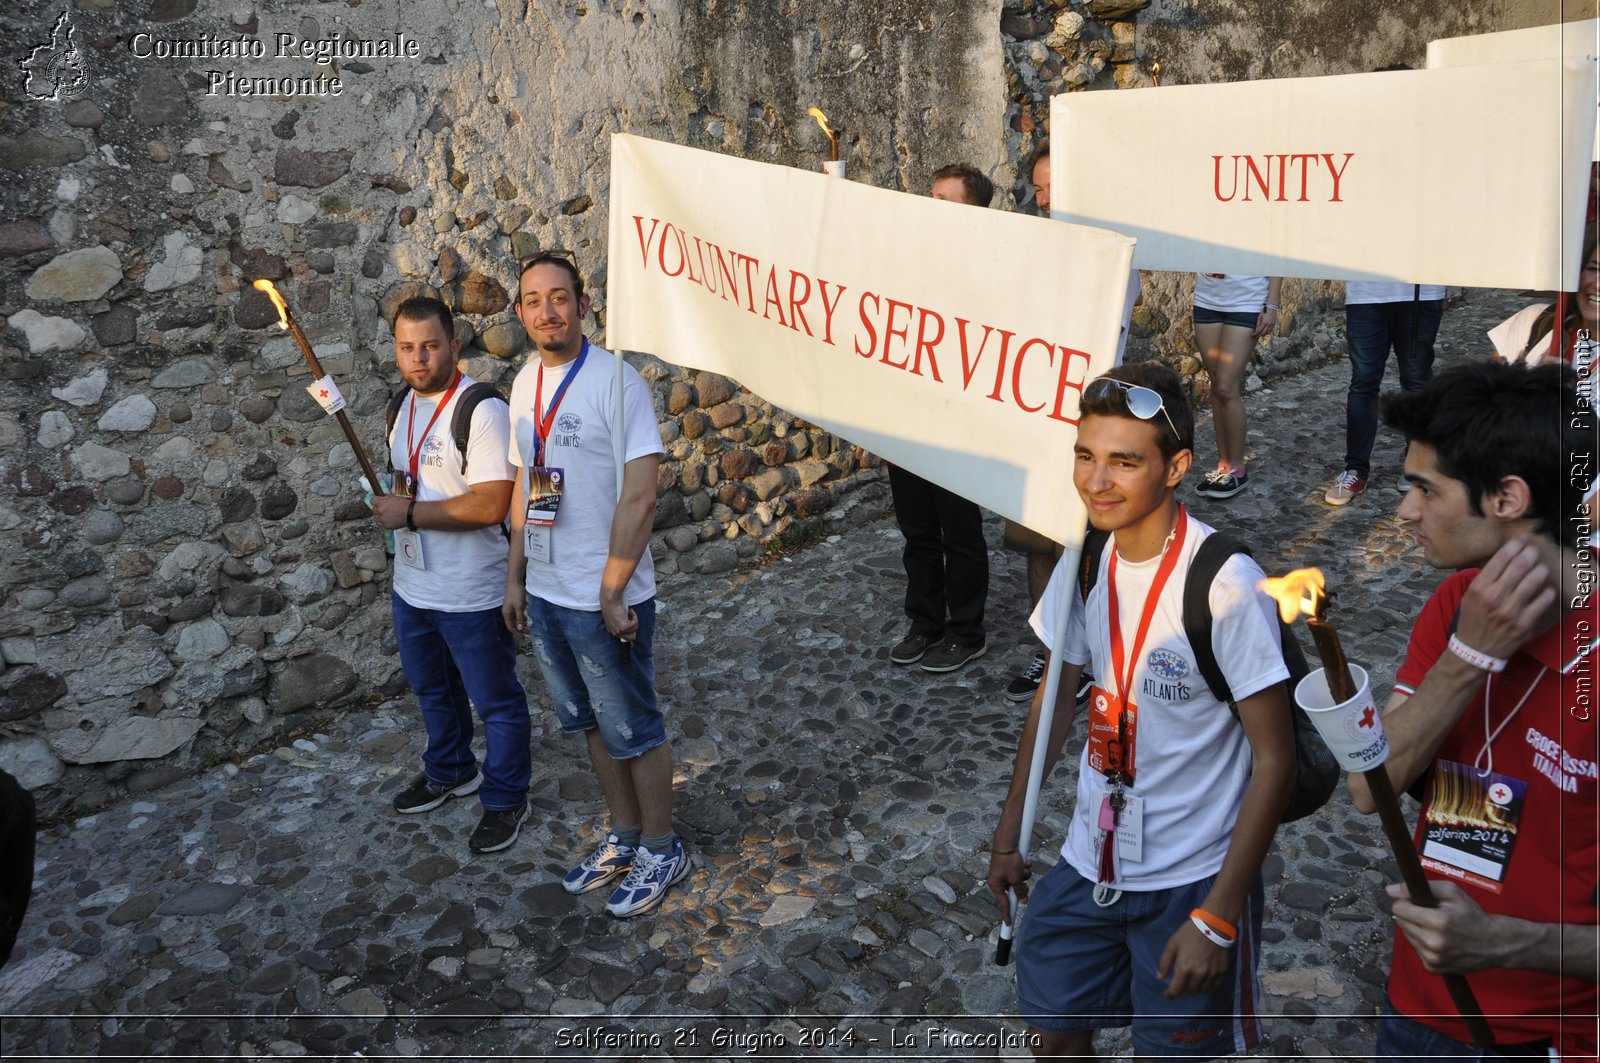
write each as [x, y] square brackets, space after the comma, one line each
[1494, 717]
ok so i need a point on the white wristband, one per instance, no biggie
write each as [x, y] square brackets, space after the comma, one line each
[1211, 935]
[1474, 658]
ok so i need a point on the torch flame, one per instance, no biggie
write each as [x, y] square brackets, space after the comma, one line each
[277, 301]
[1301, 591]
[822, 120]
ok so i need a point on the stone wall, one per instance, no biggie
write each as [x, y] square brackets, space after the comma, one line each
[187, 563]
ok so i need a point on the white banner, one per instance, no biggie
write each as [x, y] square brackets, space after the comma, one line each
[1571, 40]
[1453, 176]
[951, 340]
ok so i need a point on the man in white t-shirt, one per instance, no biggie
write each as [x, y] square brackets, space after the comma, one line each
[1153, 914]
[447, 512]
[580, 552]
[1380, 316]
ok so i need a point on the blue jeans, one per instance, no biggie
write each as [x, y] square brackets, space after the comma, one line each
[1371, 330]
[449, 658]
[591, 684]
[1404, 1040]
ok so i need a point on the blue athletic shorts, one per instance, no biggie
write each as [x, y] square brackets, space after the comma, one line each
[1084, 967]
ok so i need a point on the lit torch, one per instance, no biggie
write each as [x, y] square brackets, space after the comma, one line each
[834, 167]
[1337, 698]
[322, 388]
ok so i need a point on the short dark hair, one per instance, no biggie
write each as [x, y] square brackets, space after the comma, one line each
[553, 257]
[1161, 379]
[423, 307]
[1041, 151]
[980, 190]
[1489, 420]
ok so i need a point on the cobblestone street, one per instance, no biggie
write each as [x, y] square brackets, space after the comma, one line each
[838, 808]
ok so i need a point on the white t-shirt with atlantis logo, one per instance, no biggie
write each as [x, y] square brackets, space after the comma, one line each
[1192, 759]
[580, 445]
[465, 570]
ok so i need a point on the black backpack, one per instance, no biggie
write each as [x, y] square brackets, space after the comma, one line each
[460, 421]
[1316, 772]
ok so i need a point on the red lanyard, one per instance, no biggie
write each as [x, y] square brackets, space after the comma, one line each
[1123, 674]
[541, 425]
[411, 422]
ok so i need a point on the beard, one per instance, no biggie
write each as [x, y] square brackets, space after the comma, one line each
[431, 381]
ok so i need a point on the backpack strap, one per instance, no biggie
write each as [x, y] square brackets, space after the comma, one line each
[461, 420]
[393, 414]
[1094, 544]
[461, 425]
[1197, 619]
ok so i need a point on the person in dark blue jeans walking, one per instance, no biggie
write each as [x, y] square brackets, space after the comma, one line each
[1380, 317]
[446, 513]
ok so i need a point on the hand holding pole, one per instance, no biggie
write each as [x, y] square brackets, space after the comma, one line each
[287, 322]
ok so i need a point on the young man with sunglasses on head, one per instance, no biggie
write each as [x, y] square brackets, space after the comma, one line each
[581, 581]
[1153, 914]
[1493, 711]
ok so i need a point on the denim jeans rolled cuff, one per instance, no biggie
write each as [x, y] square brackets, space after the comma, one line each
[453, 663]
[1402, 1039]
[1371, 331]
[595, 683]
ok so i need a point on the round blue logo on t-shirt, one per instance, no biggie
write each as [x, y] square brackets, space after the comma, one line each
[1167, 665]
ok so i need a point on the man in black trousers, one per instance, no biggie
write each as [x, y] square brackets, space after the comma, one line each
[947, 562]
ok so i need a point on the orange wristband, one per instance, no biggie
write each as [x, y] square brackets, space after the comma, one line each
[1217, 931]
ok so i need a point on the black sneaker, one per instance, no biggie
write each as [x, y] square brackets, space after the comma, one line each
[949, 656]
[424, 796]
[497, 830]
[1022, 688]
[911, 648]
[1221, 483]
[1085, 684]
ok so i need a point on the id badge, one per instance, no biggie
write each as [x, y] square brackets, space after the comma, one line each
[536, 542]
[408, 549]
[1130, 829]
[1471, 826]
[405, 486]
[1113, 730]
[545, 485]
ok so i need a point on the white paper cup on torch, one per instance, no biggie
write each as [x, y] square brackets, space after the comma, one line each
[1352, 729]
[833, 168]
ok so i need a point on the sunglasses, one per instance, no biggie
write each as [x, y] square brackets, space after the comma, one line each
[553, 254]
[1142, 402]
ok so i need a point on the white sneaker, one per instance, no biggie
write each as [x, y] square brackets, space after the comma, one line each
[1349, 484]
